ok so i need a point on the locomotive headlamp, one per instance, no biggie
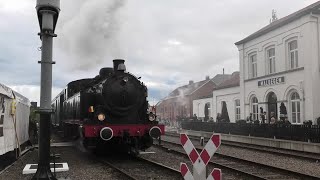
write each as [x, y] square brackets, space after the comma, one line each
[101, 117]
[152, 117]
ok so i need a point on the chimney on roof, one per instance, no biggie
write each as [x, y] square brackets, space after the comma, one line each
[207, 77]
[190, 82]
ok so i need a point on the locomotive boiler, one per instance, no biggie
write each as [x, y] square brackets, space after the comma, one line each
[108, 111]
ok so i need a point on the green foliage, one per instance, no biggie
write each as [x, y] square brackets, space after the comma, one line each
[34, 117]
[241, 121]
[307, 122]
[318, 121]
[224, 113]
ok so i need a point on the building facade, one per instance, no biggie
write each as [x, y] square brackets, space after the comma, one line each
[179, 103]
[202, 107]
[281, 64]
[227, 92]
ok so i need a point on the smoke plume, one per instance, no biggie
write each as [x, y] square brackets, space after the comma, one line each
[89, 34]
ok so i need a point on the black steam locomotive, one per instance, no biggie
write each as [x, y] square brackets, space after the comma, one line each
[110, 110]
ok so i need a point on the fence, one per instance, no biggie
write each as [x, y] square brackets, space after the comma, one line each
[307, 133]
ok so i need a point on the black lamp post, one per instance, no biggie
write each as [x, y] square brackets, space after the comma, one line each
[47, 11]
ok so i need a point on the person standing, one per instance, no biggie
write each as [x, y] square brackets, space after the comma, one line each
[272, 118]
[263, 117]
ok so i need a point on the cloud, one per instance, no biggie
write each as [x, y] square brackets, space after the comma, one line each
[32, 92]
[166, 42]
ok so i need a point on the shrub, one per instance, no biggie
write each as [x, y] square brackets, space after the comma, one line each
[241, 121]
[318, 121]
[307, 122]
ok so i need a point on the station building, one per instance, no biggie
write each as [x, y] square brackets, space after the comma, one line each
[279, 63]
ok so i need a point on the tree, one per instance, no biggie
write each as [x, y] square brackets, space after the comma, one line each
[206, 112]
[224, 112]
[283, 112]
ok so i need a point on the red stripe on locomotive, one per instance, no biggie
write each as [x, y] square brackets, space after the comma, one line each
[132, 129]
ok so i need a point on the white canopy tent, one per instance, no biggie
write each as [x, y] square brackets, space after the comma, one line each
[14, 119]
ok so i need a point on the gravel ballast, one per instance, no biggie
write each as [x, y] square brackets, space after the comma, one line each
[81, 166]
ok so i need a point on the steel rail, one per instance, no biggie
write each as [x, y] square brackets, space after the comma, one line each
[159, 165]
[254, 164]
[137, 159]
[217, 165]
[128, 176]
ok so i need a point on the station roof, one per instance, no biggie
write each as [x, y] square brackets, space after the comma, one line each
[233, 81]
[283, 21]
[190, 88]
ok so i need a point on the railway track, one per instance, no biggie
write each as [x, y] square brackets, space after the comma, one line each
[288, 153]
[138, 168]
[251, 169]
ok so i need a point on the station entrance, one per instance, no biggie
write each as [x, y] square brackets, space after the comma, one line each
[272, 105]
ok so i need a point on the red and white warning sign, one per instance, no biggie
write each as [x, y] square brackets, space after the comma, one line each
[200, 161]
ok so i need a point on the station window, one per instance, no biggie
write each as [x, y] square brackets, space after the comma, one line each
[271, 60]
[254, 108]
[295, 108]
[253, 65]
[237, 105]
[293, 54]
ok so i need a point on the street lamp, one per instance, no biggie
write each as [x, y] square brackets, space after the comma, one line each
[47, 12]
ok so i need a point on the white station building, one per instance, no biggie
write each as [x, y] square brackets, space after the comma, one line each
[279, 63]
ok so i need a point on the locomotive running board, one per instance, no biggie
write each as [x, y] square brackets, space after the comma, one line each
[32, 168]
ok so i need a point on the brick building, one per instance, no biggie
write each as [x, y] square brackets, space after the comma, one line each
[179, 101]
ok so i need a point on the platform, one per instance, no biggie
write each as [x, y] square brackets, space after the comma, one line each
[277, 143]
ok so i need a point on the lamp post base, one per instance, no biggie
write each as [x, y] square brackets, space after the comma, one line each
[43, 173]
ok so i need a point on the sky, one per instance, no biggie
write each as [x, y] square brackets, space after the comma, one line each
[166, 43]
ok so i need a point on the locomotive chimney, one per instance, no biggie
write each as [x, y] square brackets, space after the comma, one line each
[116, 63]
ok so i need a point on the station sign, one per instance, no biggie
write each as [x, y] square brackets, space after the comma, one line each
[271, 81]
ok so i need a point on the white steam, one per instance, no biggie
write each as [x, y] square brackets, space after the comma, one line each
[90, 34]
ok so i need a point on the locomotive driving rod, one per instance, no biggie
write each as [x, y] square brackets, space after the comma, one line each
[47, 11]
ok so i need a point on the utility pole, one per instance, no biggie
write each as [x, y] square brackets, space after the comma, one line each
[47, 12]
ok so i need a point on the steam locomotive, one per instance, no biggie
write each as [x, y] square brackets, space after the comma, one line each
[110, 110]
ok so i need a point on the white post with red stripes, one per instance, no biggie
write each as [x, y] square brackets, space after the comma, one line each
[200, 161]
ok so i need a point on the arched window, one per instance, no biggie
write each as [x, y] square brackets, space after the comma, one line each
[207, 110]
[295, 108]
[254, 108]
